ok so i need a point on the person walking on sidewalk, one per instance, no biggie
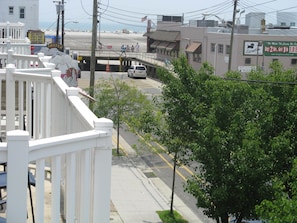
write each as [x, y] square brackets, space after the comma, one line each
[123, 50]
[137, 48]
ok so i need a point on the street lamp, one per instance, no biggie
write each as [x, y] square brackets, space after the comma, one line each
[235, 11]
[66, 50]
[219, 18]
[238, 19]
[70, 22]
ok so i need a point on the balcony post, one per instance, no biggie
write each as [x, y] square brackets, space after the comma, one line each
[10, 97]
[102, 172]
[17, 175]
[9, 56]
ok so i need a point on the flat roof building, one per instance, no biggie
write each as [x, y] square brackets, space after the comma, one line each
[286, 19]
[26, 12]
[254, 44]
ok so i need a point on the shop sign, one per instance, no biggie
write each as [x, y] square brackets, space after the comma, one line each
[280, 48]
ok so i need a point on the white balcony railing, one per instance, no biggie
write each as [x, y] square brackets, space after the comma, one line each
[44, 123]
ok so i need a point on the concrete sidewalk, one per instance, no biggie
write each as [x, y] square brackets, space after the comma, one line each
[135, 197]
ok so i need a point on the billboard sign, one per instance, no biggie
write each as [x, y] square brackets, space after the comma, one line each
[36, 36]
[280, 48]
[252, 48]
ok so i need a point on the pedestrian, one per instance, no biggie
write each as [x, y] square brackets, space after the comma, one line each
[132, 48]
[123, 49]
[137, 48]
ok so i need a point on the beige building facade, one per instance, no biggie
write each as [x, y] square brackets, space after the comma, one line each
[252, 47]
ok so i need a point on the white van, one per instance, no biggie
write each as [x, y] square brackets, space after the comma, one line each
[137, 71]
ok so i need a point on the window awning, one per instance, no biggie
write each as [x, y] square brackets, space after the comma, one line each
[162, 35]
[163, 45]
[171, 46]
[155, 44]
[193, 47]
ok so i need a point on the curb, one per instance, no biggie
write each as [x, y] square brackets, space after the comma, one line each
[157, 184]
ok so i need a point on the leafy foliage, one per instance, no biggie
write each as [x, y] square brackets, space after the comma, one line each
[240, 132]
[122, 103]
[283, 208]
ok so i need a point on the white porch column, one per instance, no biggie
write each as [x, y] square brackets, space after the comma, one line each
[17, 175]
[102, 172]
[10, 97]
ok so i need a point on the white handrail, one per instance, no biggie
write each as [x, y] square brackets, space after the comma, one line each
[48, 125]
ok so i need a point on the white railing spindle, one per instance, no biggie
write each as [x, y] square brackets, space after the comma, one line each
[10, 97]
[70, 188]
[40, 176]
[71, 142]
[17, 175]
[56, 190]
[102, 173]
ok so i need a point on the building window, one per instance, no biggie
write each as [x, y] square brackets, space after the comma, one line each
[292, 24]
[197, 57]
[247, 61]
[213, 47]
[227, 49]
[10, 9]
[294, 62]
[274, 59]
[221, 48]
[283, 24]
[22, 12]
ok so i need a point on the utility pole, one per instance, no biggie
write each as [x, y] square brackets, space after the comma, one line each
[58, 9]
[63, 24]
[148, 30]
[93, 52]
[232, 35]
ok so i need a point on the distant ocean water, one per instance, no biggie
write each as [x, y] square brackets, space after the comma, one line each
[104, 27]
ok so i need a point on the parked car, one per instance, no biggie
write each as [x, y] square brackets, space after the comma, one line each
[137, 71]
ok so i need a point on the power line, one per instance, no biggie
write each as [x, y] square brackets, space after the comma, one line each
[209, 8]
[214, 11]
[262, 81]
[246, 5]
[123, 23]
[122, 16]
[129, 12]
[117, 14]
[83, 8]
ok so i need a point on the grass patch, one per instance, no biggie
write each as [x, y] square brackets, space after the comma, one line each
[150, 174]
[167, 217]
[114, 152]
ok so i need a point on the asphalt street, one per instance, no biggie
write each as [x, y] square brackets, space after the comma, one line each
[163, 170]
[159, 162]
[161, 167]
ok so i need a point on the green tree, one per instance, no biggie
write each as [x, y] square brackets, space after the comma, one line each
[235, 130]
[174, 126]
[283, 208]
[229, 146]
[122, 103]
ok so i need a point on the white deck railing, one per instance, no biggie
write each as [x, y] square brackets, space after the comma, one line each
[45, 123]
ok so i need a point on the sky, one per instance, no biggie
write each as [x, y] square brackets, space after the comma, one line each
[130, 12]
